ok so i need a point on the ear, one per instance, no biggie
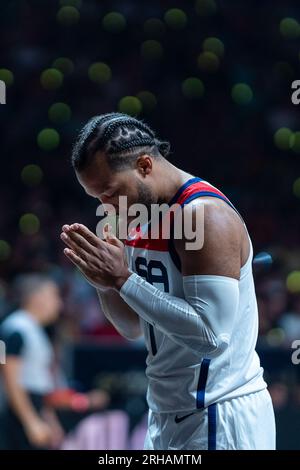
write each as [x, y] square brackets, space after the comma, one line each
[144, 164]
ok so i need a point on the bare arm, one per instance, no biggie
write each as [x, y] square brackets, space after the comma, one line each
[57, 432]
[186, 320]
[226, 245]
[37, 431]
[203, 320]
[17, 396]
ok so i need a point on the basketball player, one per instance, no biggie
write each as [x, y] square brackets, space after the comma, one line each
[196, 308]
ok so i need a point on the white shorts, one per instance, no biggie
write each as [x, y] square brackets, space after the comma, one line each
[244, 423]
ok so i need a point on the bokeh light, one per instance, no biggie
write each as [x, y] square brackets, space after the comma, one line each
[64, 65]
[296, 187]
[263, 259]
[242, 93]
[208, 61]
[175, 18]
[147, 99]
[283, 138]
[192, 88]
[114, 22]
[6, 76]
[99, 72]
[295, 142]
[154, 27]
[68, 16]
[289, 28]
[59, 113]
[151, 50]
[293, 282]
[130, 105]
[5, 250]
[214, 45]
[29, 224]
[51, 79]
[48, 139]
[205, 7]
[32, 175]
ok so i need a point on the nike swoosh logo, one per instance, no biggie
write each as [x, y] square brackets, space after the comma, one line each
[181, 418]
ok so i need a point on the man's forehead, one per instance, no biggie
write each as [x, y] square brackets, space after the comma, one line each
[94, 183]
[96, 177]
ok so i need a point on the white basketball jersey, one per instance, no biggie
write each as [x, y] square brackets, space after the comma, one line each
[179, 379]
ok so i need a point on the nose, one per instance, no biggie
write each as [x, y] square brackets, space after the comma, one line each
[104, 199]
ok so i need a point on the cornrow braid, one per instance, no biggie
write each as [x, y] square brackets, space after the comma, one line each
[126, 145]
[112, 126]
[85, 137]
[120, 137]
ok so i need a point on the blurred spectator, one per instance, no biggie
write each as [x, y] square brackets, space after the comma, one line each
[218, 88]
[27, 374]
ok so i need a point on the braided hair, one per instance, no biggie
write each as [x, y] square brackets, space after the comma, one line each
[120, 137]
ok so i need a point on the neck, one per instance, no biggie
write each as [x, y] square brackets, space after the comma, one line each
[33, 312]
[170, 180]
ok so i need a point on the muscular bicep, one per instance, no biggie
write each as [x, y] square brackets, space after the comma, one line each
[223, 243]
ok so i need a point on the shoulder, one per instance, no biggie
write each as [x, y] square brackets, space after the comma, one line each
[14, 341]
[15, 320]
[223, 235]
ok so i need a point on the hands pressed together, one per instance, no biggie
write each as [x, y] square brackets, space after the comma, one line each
[102, 262]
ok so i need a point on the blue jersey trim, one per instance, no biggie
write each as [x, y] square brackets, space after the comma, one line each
[200, 400]
[182, 188]
[212, 427]
[152, 340]
[208, 193]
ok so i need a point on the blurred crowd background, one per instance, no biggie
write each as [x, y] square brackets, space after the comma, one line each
[211, 76]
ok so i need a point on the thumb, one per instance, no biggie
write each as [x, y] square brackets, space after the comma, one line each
[110, 236]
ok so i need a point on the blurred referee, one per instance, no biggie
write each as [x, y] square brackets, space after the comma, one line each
[27, 375]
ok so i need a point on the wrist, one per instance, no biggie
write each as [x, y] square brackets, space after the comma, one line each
[122, 279]
[101, 288]
[30, 421]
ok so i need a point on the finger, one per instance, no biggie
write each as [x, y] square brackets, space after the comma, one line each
[105, 231]
[85, 233]
[90, 236]
[75, 241]
[92, 258]
[67, 240]
[111, 238]
[80, 263]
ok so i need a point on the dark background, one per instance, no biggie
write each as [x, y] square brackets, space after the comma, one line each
[212, 77]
